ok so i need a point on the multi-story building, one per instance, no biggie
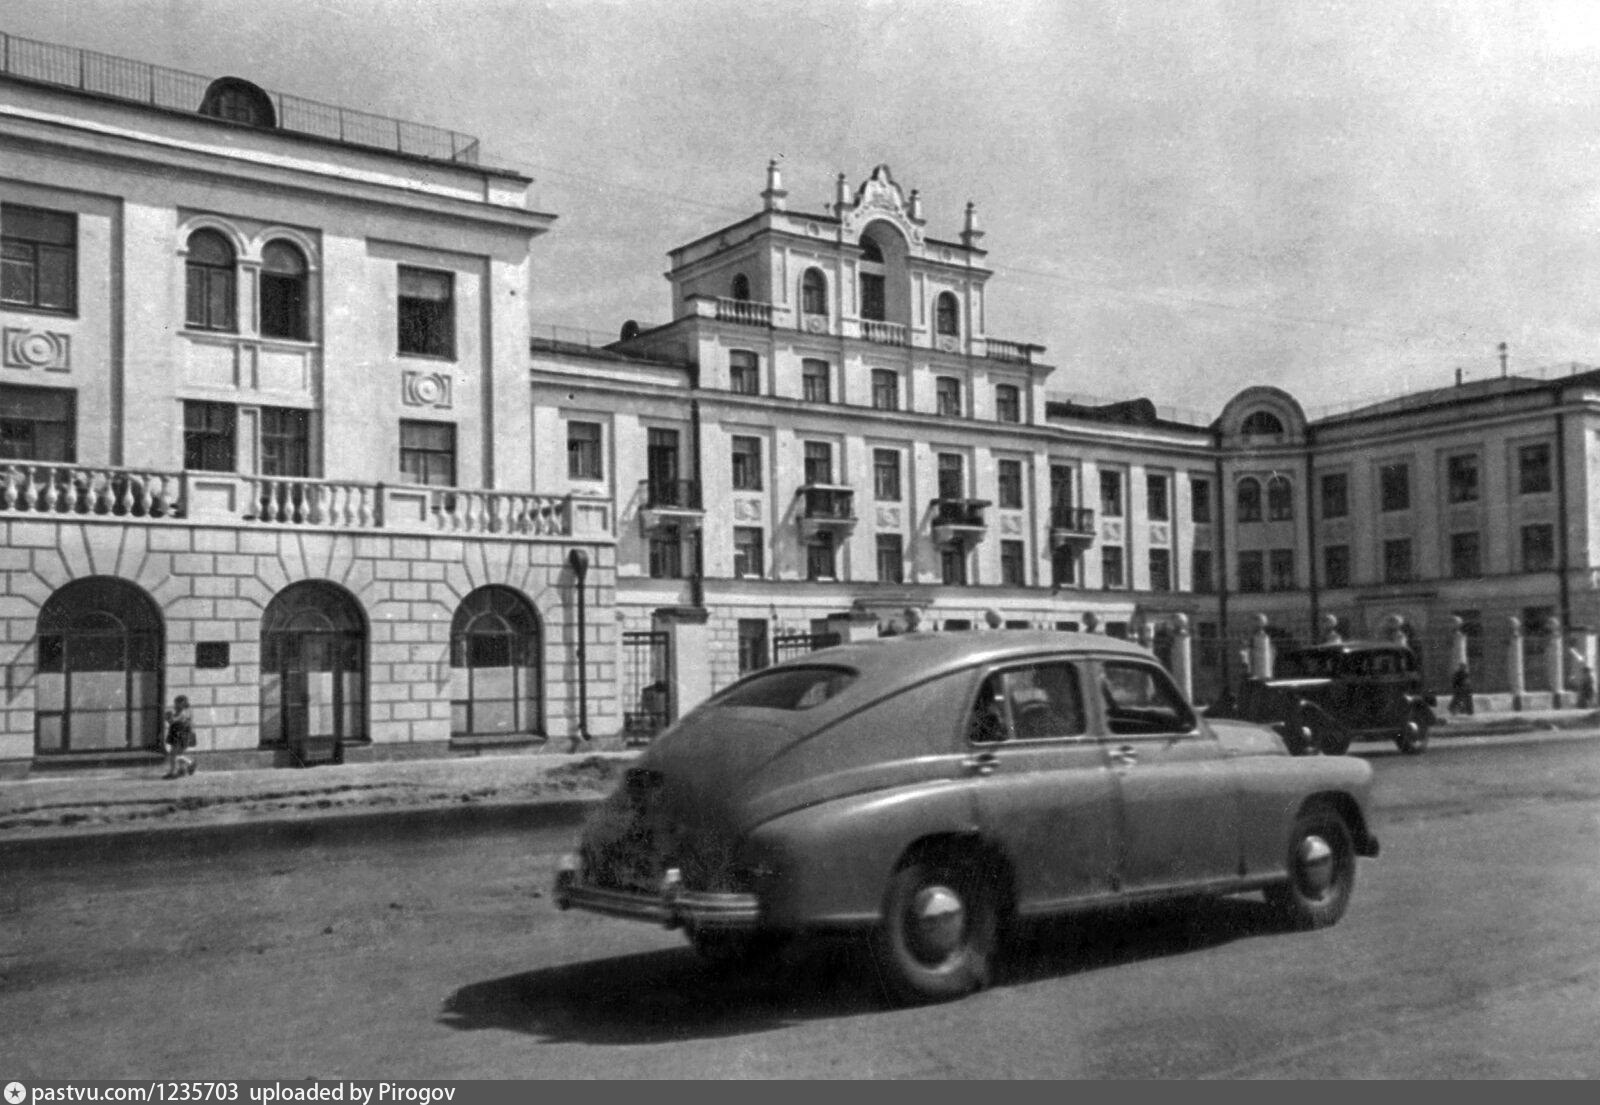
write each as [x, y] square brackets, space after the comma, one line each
[264, 430]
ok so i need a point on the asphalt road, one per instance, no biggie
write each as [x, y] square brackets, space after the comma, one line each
[1470, 950]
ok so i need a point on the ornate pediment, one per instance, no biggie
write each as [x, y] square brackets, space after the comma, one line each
[879, 197]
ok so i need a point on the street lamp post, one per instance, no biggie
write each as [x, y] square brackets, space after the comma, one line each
[578, 561]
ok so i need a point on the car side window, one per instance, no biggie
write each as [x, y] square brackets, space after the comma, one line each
[1034, 702]
[1140, 699]
[987, 722]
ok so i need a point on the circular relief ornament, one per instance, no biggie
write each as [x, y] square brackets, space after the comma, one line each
[814, 230]
[429, 389]
[948, 344]
[944, 255]
[37, 349]
[816, 324]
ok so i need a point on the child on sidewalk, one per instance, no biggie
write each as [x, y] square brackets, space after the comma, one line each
[180, 736]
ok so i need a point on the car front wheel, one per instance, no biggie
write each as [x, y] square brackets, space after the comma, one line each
[1322, 872]
[1412, 739]
[939, 930]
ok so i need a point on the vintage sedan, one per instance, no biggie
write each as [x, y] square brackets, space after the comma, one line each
[932, 788]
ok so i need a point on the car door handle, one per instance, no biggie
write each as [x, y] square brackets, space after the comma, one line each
[1124, 755]
[983, 763]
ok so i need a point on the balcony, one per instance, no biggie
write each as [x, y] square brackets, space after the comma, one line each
[67, 491]
[1071, 525]
[885, 333]
[670, 503]
[958, 521]
[1012, 352]
[745, 312]
[826, 507]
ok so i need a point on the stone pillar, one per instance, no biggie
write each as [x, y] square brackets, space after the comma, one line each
[1183, 655]
[1514, 663]
[1458, 644]
[1555, 662]
[913, 618]
[854, 625]
[1330, 630]
[1394, 628]
[1091, 622]
[689, 646]
[992, 618]
[1261, 650]
[1145, 633]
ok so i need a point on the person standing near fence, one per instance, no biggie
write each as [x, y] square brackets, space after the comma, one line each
[1461, 690]
[180, 738]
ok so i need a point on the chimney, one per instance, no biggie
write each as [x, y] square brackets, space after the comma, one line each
[775, 196]
[970, 234]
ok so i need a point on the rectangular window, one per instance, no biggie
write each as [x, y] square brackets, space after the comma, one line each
[872, 297]
[1280, 570]
[1533, 469]
[885, 390]
[747, 464]
[584, 459]
[285, 441]
[891, 558]
[744, 372]
[953, 565]
[752, 644]
[1336, 566]
[1538, 547]
[1252, 572]
[749, 544]
[1397, 560]
[1111, 494]
[38, 258]
[1011, 484]
[820, 558]
[1013, 564]
[38, 424]
[428, 453]
[1007, 403]
[666, 553]
[1111, 569]
[427, 312]
[1064, 566]
[1335, 495]
[1200, 501]
[818, 463]
[1156, 498]
[662, 471]
[209, 437]
[815, 379]
[1466, 555]
[947, 396]
[952, 476]
[1394, 486]
[1160, 569]
[1461, 478]
[1202, 568]
[886, 475]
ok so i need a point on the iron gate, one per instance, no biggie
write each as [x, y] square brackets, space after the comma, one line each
[646, 684]
[786, 646]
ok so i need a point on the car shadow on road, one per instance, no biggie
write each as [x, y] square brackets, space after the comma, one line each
[662, 996]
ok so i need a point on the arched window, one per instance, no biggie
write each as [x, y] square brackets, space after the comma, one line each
[495, 659]
[947, 314]
[741, 286]
[1249, 500]
[814, 293]
[1280, 499]
[874, 301]
[98, 687]
[283, 292]
[238, 101]
[870, 251]
[1262, 422]
[313, 667]
[211, 283]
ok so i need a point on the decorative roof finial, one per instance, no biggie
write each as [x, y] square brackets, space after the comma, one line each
[914, 206]
[775, 195]
[970, 234]
[841, 196]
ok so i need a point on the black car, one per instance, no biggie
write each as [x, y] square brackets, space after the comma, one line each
[1322, 698]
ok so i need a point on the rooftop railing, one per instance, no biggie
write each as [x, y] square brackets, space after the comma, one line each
[176, 90]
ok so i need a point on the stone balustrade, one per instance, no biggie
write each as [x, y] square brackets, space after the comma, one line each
[86, 489]
[885, 333]
[745, 311]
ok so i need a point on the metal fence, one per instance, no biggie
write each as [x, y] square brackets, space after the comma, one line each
[786, 646]
[175, 90]
[646, 684]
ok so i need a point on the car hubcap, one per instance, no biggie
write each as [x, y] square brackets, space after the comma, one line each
[1314, 861]
[937, 920]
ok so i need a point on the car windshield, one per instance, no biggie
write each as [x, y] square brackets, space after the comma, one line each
[789, 688]
[1307, 665]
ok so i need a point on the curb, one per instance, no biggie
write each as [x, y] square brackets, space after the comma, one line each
[180, 841]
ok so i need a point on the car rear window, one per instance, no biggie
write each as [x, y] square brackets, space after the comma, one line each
[789, 688]
[1307, 665]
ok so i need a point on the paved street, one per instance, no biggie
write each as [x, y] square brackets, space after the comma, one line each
[1470, 950]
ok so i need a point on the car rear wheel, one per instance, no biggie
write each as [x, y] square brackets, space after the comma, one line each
[1322, 872]
[939, 931]
[1412, 739]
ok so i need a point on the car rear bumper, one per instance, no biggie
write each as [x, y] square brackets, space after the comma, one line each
[671, 907]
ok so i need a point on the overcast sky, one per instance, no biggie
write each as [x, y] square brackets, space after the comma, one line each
[1180, 199]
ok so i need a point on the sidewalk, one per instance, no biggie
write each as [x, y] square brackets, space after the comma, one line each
[98, 804]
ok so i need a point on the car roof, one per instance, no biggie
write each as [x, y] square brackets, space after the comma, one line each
[912, 657]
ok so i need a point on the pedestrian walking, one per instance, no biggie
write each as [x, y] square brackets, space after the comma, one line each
[1585, 687]
[1461, 691]
[180, 738]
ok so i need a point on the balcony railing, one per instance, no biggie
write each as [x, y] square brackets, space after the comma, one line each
[959, 512]
[1016, 352]
[671, 494]
[1073, 520]
[281, 501]
[175, 90]
[827, 504]
[745, 311]
[885, 333]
